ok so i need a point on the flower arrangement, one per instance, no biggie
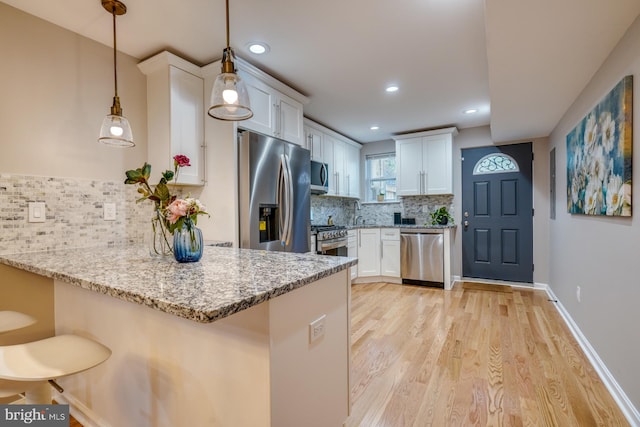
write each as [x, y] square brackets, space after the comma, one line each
[170, 211]
[184, 211]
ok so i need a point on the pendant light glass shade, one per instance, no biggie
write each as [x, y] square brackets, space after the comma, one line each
[115, 128]
[229, 97]
[116, 131]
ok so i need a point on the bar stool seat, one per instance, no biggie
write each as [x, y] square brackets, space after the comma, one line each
[37, 362]
[12, 320]
[12, 388]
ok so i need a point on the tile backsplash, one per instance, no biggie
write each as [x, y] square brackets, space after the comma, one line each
[74, 213]
[344, 211]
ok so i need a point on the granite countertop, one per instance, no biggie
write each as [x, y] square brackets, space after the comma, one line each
[401, 226]
[223, 282]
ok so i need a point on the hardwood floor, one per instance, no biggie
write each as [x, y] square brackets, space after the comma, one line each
[469, 357]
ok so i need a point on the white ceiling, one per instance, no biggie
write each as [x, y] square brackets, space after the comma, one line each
[521, 63]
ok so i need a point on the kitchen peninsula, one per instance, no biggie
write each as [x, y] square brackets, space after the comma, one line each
[222, 342]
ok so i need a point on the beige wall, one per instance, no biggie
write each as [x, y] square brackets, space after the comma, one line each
[600, 254]
[56, 88]
[480, 137]
[30, 294]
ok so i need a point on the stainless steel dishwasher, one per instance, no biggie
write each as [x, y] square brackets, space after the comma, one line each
[422, 256]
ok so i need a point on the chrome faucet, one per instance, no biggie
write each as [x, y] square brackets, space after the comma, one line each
[355, 221]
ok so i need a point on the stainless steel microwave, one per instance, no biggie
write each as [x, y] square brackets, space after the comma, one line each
[319, 177]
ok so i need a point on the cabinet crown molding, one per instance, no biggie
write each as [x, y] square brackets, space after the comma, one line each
[453, 131]
[317, 126]
[163, 59]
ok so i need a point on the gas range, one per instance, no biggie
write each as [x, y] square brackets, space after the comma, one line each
[331, 239]
[328, 232]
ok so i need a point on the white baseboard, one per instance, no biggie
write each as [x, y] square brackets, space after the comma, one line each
[627, 408]
[80, 412]
[376, 279]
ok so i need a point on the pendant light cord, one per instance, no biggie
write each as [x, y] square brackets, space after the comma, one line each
[228, 46]
[115, 68]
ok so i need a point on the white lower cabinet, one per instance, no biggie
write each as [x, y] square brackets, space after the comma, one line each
[390, 256]
[379, 252]
[352, 250]
[368, 252]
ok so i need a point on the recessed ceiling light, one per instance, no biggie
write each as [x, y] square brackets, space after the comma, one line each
[374, 127]
[258, 48]
[471, 111]
[392, 88]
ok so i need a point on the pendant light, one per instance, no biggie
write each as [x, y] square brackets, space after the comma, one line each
[229, 97]
[115, 128]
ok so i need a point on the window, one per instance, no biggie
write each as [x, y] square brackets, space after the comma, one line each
[496, 163]
[380, 177]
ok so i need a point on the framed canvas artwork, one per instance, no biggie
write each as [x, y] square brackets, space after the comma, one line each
[599, 156]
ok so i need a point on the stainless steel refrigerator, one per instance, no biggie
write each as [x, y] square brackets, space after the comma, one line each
[274, 193]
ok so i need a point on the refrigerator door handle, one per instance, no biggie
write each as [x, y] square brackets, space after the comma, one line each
[284, 189]
[279, 187]
[290, 202]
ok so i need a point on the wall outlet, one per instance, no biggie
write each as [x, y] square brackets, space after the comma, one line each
[425, 209]
[37, 212]
[109, 211]
[316, 328]
[578, 295]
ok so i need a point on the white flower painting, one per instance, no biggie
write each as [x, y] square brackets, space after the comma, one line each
[599, 156]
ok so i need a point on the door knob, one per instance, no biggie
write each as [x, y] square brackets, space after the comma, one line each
[466, 224]
[466, 214]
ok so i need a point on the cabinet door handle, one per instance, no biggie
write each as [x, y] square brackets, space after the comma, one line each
[204, 161]
[419, 182]
[359, 239]
[425, 178]
[276, 127]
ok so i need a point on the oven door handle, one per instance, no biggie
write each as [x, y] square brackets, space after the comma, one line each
[333, 245]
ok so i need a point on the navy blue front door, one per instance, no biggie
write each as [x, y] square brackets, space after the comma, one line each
[497, 213]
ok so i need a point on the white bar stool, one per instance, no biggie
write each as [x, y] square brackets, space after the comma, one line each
[12, 320]
[32, 366]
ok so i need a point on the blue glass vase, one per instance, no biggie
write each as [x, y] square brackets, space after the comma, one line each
[187, 242]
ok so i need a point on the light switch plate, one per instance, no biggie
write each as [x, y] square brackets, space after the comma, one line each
[109, 211]
[37, 212]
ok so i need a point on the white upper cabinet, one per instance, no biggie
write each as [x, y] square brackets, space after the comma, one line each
[175, 116]
[313, 139]
[275, 113]
[341, 154]
[352, 171]
[425, 163]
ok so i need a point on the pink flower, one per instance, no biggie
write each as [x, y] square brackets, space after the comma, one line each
[178, 208]
[181, 160]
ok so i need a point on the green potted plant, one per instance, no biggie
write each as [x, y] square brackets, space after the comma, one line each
[381, 196]
[441, 216]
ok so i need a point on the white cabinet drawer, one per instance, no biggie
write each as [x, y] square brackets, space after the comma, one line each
[390, 234]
